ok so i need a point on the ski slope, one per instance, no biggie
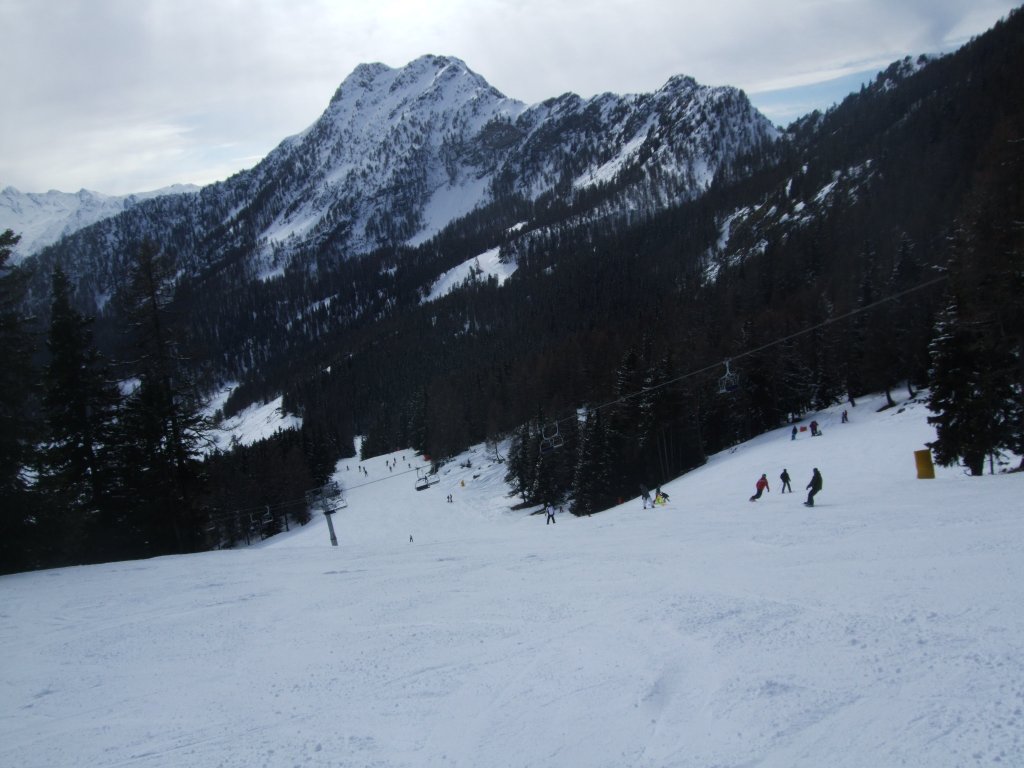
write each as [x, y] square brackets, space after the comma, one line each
[884, 627]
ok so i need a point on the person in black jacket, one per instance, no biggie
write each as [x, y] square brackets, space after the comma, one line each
[784, 477]
[814, 486]
[645, 496]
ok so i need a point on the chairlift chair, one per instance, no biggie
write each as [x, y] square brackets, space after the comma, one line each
[550, 438]
[729, 382]
[267, 525]
[424, 479]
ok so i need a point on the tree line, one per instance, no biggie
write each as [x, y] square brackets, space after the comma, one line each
[108, 459]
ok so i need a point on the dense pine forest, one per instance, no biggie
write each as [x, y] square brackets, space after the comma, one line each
[878, 245]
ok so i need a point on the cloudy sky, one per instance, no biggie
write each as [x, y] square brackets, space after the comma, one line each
[123, 96]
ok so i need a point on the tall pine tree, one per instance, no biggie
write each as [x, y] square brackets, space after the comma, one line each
[18, 532]
[81, 478]
[164, 427]
[975, 391]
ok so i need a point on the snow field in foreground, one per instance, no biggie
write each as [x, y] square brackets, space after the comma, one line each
[882, 627]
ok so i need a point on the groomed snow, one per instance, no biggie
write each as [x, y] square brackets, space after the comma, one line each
[884, 627]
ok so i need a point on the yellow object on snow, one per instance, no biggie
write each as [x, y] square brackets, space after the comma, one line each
[925, 467]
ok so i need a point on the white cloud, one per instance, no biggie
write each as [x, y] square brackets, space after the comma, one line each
[121, 95]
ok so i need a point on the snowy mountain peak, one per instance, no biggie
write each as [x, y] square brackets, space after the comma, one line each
[399, 154]
[679, 83]
[424, 75]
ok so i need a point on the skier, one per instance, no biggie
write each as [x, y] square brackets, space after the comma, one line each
[660, 497]
[762, 486]
[814, 429]
[551, 515]
[784, 477]
[795, 430]
[814, 486]
[846, 417]
[645, 496]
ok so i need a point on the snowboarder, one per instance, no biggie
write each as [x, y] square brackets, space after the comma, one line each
[645, 496]
[814, 486]
[762, 486]
[551, 515]
[784, 477]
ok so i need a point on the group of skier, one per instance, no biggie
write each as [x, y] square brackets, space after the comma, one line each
[814, 486]
[660, 497]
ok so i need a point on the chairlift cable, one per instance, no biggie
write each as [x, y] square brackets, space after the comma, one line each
[768, 345]
[294, 502]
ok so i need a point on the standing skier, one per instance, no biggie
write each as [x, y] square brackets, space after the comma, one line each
[762, 486]
[645, 496]
[814, 486]
[551, 514]
[784, 477]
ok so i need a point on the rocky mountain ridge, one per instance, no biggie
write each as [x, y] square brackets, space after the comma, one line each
[400, 153]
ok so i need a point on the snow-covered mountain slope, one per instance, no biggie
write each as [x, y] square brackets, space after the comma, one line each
[883, 627]
[42, 219]
[400, 153]
[386, 149]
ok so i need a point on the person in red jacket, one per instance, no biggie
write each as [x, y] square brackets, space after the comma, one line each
[762, 486]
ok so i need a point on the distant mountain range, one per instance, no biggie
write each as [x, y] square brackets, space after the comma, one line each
[41, 219]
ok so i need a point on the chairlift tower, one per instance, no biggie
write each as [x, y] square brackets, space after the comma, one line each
[329, 498]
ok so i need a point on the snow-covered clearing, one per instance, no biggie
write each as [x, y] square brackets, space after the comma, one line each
[486, 265]
[257, 422]
[884, 627]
